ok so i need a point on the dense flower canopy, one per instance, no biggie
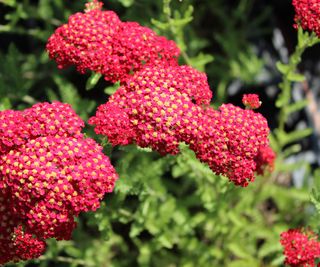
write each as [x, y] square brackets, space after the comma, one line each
[49, 174]
[160, 103]
[162, 106]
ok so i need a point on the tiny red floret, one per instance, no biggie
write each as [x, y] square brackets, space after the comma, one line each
[251, 101]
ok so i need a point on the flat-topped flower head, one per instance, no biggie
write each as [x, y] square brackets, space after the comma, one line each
[229, 141]
[57, 175]
[98, 41]
[301, 247]
[52, 174]
[307, 15]
[85, 41]
[158, 119]
[157, 107]
[251, 101]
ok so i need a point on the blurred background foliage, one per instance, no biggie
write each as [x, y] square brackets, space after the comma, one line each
[173, 211]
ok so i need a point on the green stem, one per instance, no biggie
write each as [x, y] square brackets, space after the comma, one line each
[174, 31]
[305, 40]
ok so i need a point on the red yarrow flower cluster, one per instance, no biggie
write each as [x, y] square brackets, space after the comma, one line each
[157, 108]
[97, 40]
[307, 15]
[162, 106]
[251, 101]
[49, 174]
[160, 103]
[229, 141]
[301, 248]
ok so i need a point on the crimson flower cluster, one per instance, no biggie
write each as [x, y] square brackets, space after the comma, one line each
[229, 141]
[160, 104]
[155, 108]
[301, 248]
[251, 101]
[307, 13]
[49, 174]
[98, 41]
